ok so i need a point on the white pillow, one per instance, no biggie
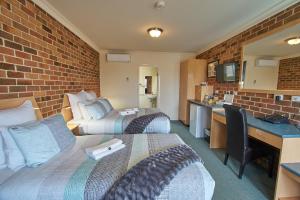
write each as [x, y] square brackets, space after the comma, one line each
[23, 113]
[74, 99]
[84, 113]
[82, 95]
[91, 95]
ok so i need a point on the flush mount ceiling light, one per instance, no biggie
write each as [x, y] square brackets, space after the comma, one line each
[293, 40]
[155, 32]
[159, 4]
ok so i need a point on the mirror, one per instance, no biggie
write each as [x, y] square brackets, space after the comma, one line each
[273, 62]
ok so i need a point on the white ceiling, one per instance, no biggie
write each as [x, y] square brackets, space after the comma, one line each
[275, 45]
[189, 25]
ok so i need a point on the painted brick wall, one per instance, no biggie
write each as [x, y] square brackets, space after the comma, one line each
[230, 51]
[289, 74]
[40, 57]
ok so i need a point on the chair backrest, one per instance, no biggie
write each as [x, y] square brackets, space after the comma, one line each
[237, 131]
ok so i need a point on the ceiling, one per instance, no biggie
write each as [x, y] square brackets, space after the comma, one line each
[189, 25]
[275, 45]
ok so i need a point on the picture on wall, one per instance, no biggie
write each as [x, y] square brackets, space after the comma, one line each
[211, 68]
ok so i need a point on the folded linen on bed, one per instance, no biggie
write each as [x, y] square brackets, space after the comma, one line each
[107, 152]
[127, 112]
[105, 149]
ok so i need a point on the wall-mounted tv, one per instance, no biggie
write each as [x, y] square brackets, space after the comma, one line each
[226, 72]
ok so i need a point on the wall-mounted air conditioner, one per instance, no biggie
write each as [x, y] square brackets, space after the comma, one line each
[266, 63]
[117, 57]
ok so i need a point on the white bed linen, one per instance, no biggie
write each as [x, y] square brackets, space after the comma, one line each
[112, 124]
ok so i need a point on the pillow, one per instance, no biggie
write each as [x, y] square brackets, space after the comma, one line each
[74, 99]
[9, 151]
[39, 141]
[82, 95]
[108, 107]
[84, 113]
[11, 116]
[96, 110]
[91, 95]
[2, 154]
[15, 158]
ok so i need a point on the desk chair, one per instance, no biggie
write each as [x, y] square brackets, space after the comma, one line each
[239, 145]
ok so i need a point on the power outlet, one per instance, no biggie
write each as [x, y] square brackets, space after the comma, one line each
[278, 97]
[296, 98]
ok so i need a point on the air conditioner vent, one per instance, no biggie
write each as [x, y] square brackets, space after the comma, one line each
[113, 57]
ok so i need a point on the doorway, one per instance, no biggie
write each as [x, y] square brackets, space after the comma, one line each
[148, 87]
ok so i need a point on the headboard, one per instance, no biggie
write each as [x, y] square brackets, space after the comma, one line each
[12, 103]
[66, 110]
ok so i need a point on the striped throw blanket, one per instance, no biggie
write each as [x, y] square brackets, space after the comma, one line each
[149, 177]
[139, 124]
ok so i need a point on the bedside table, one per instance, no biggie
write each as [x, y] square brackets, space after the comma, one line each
[74, 128]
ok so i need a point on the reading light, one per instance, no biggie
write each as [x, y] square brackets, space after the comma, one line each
[155, 32]
[293, 41]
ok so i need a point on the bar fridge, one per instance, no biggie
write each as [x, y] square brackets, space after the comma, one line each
[200, 119]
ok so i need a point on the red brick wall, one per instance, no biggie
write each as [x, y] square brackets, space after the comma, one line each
[289, 74]
[42, 58]
[230, 51]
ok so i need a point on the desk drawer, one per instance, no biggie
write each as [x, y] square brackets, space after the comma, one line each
[219, 118]
[268, 138]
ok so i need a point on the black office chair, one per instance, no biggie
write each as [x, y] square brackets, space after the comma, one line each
[239, 146]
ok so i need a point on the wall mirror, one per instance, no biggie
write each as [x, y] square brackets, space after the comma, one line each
[272, 62]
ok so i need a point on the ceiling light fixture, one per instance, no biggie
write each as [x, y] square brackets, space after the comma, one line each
[155, 32]
[160, 4]
[293, 40]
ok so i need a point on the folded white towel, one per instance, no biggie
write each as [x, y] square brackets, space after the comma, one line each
[127, 112]
[107, 152]
[103, 147]
[132, 109]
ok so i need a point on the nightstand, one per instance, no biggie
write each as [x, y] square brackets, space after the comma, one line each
[74, 128]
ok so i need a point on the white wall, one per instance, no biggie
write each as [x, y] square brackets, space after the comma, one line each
[119, 81]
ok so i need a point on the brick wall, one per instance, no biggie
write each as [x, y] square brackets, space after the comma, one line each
[40, 57]
[230, 51]
[289, 74]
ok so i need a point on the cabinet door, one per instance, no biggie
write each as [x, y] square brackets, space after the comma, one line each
[183, 92]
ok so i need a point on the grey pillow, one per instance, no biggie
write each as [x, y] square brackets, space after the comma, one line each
[107, 105]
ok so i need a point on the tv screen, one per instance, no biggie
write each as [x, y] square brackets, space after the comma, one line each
[226, 72]
[229, 72]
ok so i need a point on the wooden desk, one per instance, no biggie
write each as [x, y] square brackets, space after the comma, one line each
[284, 137]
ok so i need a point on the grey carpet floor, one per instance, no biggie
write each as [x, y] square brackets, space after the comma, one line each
[255, 184]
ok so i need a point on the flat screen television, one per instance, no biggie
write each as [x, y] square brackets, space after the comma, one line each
[226, 72]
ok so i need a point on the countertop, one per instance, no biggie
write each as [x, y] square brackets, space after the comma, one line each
[213, 106]
[281, 130]
[294, 168]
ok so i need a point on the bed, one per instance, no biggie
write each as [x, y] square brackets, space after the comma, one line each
[72, 175]
[114, 122]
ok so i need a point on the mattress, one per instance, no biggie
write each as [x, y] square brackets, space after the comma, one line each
[114, 123]
[72, 175]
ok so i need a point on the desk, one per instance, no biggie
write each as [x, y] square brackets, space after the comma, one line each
[285, 137]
